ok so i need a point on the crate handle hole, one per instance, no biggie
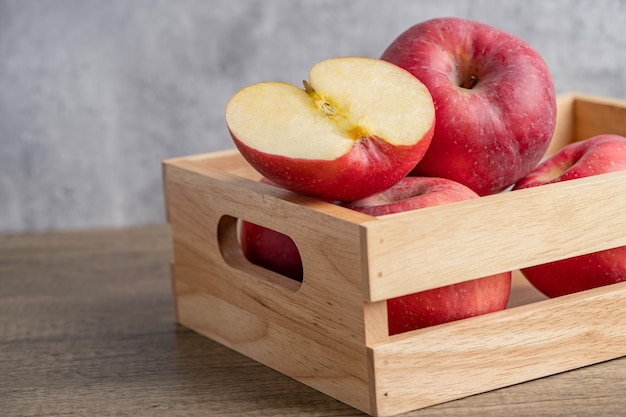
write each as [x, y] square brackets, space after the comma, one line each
[264, 252]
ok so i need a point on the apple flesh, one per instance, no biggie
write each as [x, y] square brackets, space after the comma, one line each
[592, 156]
[443, 304]
[494, 96]
[356, 128]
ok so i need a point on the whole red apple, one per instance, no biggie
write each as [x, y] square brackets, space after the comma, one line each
[494, 98]
[279, 253]
[358, 127]
[595, 155]
[444, 304]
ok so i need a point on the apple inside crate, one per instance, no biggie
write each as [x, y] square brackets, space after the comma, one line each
[330, 331]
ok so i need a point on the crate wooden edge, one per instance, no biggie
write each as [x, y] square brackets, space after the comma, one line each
[377, 372]
[385, 350]
[590, 111]
[529, 227]
[498, 350]
[459, 227]
[325, 314]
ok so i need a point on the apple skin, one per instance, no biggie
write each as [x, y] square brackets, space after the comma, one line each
[596, 155]
[490, 130]
[412, 193]
[444, 304]
[358, 127]
[371, 166]
[271, 250]
[279, 253]
[449, 303]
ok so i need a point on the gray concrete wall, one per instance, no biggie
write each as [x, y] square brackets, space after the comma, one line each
[95, 94]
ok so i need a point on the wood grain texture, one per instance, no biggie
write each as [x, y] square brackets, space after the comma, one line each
[598, 115]
[87, 329]
[494, 234]
[353, 263]
[507, 231]
[504, 348]
[247, 308]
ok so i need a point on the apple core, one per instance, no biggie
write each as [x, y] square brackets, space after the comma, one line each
[331, 110]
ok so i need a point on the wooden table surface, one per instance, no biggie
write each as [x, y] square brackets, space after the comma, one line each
[87, 329]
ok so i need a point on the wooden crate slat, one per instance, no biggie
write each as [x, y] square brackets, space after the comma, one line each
[330, 332]
[454, 360]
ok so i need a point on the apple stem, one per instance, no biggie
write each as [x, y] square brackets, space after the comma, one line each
[470, 82]
[308, 87]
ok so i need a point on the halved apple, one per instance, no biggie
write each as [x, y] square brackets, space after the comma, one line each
[356, 128]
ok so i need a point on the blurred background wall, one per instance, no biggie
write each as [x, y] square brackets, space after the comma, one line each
[95, 94]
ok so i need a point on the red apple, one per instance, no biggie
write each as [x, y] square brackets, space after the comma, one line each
[592, 156]
[358, 127]
[595, 155]
[279, 253]
[444, 304]
[270, 249]
[494, 97]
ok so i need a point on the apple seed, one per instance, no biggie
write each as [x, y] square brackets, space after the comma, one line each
[355, 131]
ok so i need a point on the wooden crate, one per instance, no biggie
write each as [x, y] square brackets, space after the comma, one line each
[330, 332]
